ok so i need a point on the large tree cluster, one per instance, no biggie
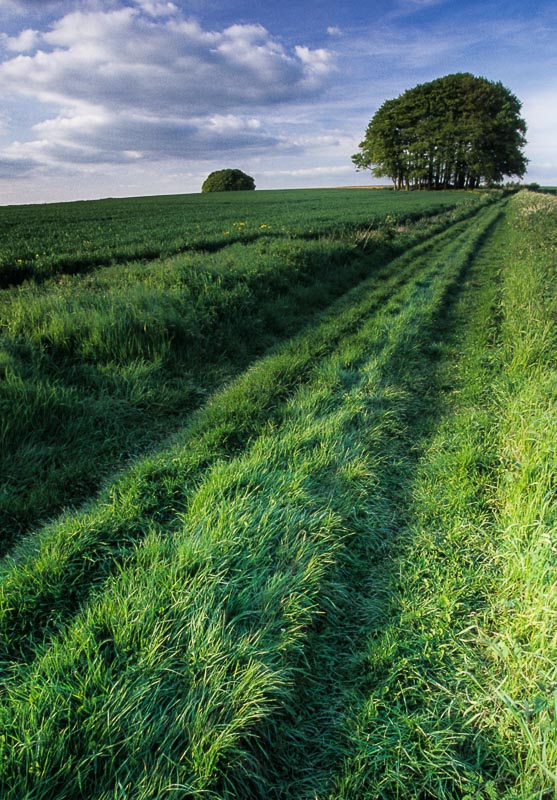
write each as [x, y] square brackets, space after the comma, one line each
[457, 132]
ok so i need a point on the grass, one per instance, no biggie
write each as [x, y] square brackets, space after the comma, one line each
[249, 557]
[462, 698]
[518, 627]
[223, 427]
[41, 241]
[413, 736]
[338, 580]
[98, 368]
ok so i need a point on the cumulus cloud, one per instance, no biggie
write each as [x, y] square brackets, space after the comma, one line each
[143, 79]
[24, 42]
[96, 135]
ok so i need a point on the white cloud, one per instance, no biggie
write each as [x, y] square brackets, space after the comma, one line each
[406, 7]
[540, 111]
[157, 9]
[18, 8]
[318, 65]
[96, 135]
[27, 40]
[12, 168]
[145, 80]
[418, 4]
[308, 172]
[121, 57]
[220, 123]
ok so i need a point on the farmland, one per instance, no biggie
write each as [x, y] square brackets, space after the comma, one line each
[42, 241]
[280, 501]
[99, 365]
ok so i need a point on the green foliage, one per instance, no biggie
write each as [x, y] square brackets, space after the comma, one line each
[228, 180]
[246, 534]
[457, 131]
[462, 678]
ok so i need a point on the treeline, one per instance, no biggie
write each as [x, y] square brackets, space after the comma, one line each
[455, 132]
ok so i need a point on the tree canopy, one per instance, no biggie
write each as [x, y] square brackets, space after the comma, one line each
[228, 180]
[455, 132]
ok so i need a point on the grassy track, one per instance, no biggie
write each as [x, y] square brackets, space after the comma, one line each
[221, 430]
[461, 671]
[339, 581]
[98, 368]
[202, 630]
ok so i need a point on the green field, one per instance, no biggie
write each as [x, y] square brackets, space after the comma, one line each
[279, 509]
[100, 366]
[39, 241]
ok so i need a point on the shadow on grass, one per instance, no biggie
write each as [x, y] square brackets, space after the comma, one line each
[297, 746]
[72, 418]
[310, 747]
[147, 493]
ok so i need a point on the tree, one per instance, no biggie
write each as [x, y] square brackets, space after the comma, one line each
[228, 180]
[454, 132]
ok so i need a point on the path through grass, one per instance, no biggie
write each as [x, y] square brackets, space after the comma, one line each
[339, 581]
[97, 369]
[461, 676]
[202, 629]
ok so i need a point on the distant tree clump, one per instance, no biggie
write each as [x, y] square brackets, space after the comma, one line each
[455, 132]
[228, 180]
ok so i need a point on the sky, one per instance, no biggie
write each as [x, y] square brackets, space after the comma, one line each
[118, 98]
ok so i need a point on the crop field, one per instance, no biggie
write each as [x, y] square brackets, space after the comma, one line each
[279, 512]
[100, 366]
[41, 241]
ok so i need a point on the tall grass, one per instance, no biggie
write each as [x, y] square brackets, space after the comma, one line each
[518, 631]
[98, 368]
[220, 430]
[339, 581]
[461, 698]
[39, 242]
[212, 654]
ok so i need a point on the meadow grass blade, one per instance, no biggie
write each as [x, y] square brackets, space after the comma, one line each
[462, 681]
[150, 492]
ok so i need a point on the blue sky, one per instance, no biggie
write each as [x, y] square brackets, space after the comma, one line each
[134, 97]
